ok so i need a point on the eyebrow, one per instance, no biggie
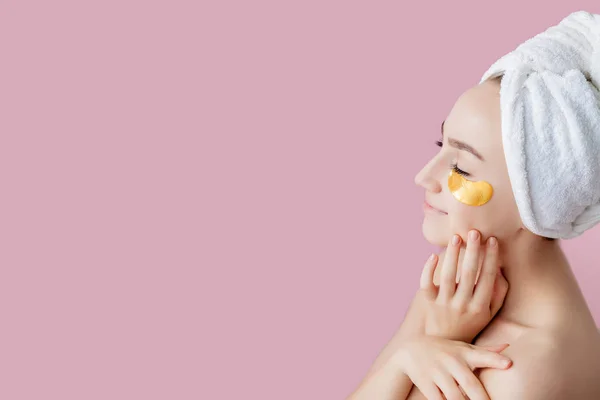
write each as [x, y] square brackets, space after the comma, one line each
[462, 145]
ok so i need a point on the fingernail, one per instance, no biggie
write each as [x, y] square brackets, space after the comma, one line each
[492, 242]
[455, 240]
[473, 235]
[431, 257]
[506, 363]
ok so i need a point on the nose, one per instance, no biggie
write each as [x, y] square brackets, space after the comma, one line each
[427, 179]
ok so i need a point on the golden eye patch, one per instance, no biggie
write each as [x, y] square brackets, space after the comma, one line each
[469, 192]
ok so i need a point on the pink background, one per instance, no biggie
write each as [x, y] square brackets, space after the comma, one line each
[215, 199]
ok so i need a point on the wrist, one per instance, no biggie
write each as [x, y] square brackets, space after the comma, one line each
[404, 334]
[412, 327]
[389, 382]
[398, 359]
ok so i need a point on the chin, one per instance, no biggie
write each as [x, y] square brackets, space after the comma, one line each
[434, 235]
[431, 234]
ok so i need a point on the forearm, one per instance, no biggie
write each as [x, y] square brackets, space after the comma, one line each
[388, 351]
[411, 326]
[385, 379]
[387, 383]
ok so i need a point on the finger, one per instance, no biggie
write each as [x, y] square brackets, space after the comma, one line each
[428, 272]
[480, 358]
[480, 263]
[447, 384]
[427, 387]
[489, 271]
[498, 348]
[470, 385]
[500, 291]
[468, 269]
[448, 274]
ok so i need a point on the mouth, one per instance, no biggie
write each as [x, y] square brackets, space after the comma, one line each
[429, 207]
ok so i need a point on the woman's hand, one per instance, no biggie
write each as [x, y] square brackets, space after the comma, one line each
[436, 365]
[460, 313]
[427, 314]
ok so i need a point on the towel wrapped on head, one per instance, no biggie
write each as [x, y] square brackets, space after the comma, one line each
[550, 116]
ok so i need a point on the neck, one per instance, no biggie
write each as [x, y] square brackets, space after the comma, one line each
[541, 282]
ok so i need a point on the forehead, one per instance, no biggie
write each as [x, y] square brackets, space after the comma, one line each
[475, 118]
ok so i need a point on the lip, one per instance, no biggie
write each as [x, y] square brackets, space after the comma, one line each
[429, 207]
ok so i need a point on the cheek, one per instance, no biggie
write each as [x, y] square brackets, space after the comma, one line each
[504, 219]
[464, 217]
[498, 217]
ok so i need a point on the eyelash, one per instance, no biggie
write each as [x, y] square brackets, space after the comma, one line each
[454, 165]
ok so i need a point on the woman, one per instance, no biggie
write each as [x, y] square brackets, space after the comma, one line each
[478, 181]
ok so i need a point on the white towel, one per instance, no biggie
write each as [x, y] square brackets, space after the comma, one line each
[550, 107]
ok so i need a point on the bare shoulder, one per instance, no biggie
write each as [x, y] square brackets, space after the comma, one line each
[547, 365]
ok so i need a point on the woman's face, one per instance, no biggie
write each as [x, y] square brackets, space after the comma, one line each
[472, 141]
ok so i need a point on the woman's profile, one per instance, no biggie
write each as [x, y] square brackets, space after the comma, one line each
[519, 162]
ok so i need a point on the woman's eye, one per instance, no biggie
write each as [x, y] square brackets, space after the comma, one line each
[459, 171]
[454, 166]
